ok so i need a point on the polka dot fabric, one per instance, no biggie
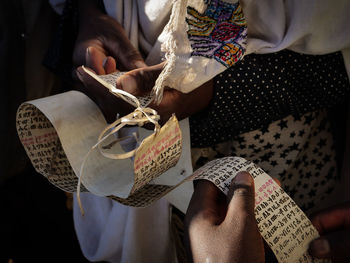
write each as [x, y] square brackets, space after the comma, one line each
[264, 88]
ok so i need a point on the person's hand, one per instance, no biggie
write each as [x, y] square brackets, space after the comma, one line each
[140, 82]
[334, 227]
[102, 44]
[221, 229]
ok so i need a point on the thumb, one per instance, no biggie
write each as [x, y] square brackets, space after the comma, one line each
[140, 82]
[241, 196]
[334, 245]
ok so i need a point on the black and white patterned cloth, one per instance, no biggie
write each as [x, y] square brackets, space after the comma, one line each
[264, 88]
[272, 109]
[299, 152]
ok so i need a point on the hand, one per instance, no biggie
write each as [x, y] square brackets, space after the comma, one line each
[334, 227]
[102, 44]
[221, 229]
[140, 82]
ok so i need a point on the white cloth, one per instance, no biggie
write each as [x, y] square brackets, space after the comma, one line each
[116, 233]
[112, 232]
[142, 20]
[311, 27]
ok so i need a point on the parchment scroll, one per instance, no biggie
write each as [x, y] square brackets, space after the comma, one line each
[58, 131]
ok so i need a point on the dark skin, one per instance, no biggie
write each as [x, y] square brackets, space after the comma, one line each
[223, 229]
[182, 104]
[103, 46]
[207, 214]
[102, 43]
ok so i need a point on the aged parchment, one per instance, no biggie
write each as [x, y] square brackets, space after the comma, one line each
[58, 131]
[282, 224]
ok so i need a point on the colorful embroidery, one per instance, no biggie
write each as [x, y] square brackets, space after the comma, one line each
[219, 33]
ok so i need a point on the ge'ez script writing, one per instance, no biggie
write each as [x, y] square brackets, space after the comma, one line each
[281, 222]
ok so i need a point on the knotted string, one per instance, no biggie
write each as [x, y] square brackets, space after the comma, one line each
[139, 116]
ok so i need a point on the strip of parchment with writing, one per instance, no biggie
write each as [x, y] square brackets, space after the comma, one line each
[42, 144]
[157, 153]
[281, 222]
[40, 133]
[283, 225]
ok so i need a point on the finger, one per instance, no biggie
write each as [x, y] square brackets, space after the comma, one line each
[335, 218]
[93, 88]
[241, 197]
[333, 246]
[109, 65]
[140, 82]
[94, 59]
[128, 57]
[207, 204]
[240, 218]
[109, 104]
[85, 78]
[203, 213]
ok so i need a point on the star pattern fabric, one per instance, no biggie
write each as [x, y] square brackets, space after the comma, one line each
[272, 109]
[300, 153]
[261, 89]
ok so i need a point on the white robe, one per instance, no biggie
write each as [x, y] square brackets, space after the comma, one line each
[115, 233]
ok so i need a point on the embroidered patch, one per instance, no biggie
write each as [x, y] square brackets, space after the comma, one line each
[219, 33]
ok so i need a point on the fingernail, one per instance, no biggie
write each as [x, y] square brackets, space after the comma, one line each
[320, 247]
[243, 178]
[79, 74]
[104, 61]
[87, 53]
